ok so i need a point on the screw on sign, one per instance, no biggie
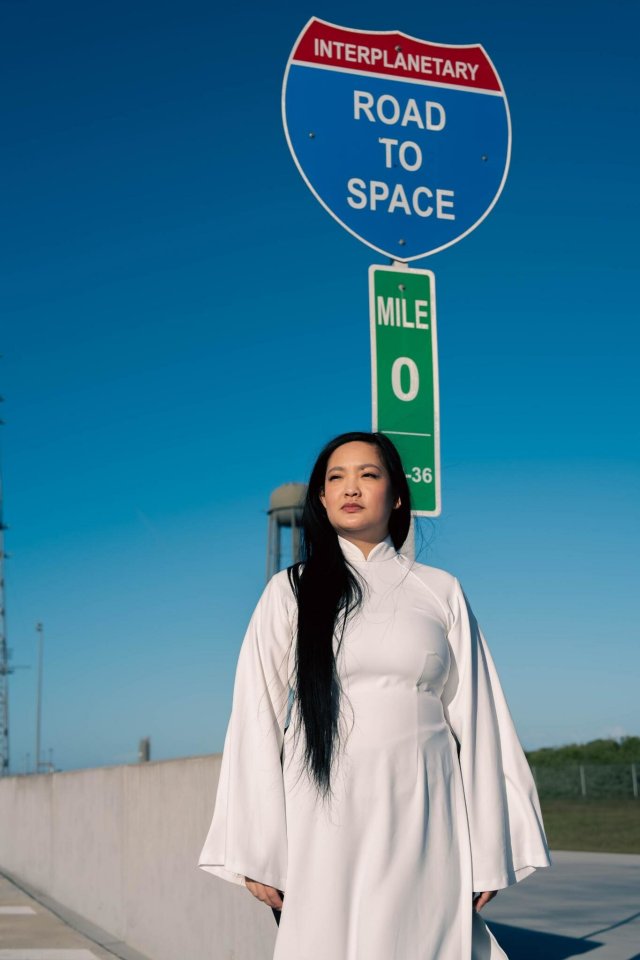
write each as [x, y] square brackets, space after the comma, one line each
[405, 142]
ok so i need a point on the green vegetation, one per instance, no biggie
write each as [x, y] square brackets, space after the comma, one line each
[611, 826]
[625, 750]
[587, 794]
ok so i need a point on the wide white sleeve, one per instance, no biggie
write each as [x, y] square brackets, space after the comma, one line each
[248, 832]
[506, 830]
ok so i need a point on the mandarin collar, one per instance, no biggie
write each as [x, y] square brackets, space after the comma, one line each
[384, 550]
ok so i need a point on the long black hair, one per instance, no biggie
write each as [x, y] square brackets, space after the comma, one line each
[328, 592]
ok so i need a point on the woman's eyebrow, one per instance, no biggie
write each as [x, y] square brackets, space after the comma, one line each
[361, 466]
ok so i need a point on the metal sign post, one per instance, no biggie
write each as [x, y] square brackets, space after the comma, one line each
[404, 376]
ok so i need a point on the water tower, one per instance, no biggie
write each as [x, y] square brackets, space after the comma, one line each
[285, 510]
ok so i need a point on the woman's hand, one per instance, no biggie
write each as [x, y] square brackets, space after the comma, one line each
[481, 898]
[266, 894]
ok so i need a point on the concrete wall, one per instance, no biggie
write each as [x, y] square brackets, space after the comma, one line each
[119, 845]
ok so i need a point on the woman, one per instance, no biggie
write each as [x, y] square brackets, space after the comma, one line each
[372, 787]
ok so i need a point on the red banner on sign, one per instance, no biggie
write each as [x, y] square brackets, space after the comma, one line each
[396, 55]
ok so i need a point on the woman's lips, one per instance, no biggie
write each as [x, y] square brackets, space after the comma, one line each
[351, 507]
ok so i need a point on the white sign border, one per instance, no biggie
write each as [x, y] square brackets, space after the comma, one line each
[401, 266]
[457, 46]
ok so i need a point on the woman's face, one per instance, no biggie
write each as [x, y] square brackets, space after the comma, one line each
[357, 492]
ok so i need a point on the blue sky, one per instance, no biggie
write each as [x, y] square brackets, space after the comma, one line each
[184, 326]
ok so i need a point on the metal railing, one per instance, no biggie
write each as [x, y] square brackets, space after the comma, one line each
[593, 780]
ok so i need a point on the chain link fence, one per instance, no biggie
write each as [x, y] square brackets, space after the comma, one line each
[593, 780]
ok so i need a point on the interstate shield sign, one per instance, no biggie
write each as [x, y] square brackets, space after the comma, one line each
[405, 142]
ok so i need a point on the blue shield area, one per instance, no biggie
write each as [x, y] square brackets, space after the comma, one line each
[404, 213]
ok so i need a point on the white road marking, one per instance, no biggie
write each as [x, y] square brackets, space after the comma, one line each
[5, 911]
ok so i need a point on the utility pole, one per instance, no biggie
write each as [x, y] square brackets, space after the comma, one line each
[39, 697]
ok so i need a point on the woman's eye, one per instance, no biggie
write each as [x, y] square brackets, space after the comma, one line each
[376, 476]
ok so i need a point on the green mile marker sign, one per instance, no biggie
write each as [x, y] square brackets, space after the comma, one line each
[404, 376]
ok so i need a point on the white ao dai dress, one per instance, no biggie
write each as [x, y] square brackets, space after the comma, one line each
[433, 798]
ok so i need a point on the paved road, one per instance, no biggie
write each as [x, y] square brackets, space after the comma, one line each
[40, 929]
[585, 904]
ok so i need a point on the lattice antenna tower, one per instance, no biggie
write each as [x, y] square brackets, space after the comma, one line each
[5, 669]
